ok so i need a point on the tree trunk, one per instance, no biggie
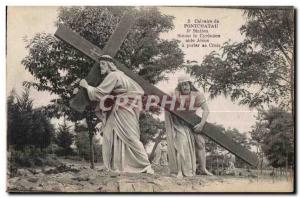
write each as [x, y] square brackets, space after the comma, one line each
[157, 141]
[91, 128]
[91, 135]
[292, 88]
[223, 160]
[286, 168]
[218, 172]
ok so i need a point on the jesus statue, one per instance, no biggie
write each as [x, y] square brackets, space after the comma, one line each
[122, 149]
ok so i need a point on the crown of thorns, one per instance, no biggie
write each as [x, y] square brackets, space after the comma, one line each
[106, 58]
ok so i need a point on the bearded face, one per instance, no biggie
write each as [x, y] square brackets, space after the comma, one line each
[104, 67]
[185, 88]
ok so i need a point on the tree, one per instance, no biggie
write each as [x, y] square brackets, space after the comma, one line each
[58, 67]
[64, 138]
[42, 130]
[238, 137]
[150, 127]
[242, 140]
[276, 136]
[27, 126]
[217, 151]
[82, 141]
[19, 119]
[258, 133]
[212, 147]
[152, 130]
[258, 70]
[82, 144]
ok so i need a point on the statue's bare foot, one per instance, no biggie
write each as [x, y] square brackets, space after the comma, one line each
[206, 172]
[173, 175]
[179, 175]
[115, 173]
[150, 171]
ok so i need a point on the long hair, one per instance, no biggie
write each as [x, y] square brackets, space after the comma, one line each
[179, 88]
[110, 65]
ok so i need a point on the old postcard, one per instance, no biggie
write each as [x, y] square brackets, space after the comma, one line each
[150, 99]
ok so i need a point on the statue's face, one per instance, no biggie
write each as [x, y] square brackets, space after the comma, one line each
[104, 67]
[185, 88]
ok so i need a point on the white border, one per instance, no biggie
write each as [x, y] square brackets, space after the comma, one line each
[4, 3]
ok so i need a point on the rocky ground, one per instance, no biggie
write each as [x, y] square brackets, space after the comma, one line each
[71, 176]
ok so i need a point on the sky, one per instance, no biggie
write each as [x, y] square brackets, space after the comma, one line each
[27, 21]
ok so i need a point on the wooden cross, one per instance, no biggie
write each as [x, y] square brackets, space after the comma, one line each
[80, 101]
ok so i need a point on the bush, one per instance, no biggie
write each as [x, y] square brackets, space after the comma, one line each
[27, 126]
[64, 139]
[64, 151]
[30, 157]
[83, 147]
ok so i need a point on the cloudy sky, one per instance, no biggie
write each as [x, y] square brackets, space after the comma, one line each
[27, 21]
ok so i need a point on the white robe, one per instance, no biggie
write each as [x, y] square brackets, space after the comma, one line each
[122, 149]
[160, 155]
[180, 141]
[180, 137]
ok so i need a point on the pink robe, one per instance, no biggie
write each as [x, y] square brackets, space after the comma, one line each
[122, 149]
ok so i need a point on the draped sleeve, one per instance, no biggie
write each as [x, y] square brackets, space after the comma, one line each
[171, 142]
[200, 99]
[105, 88]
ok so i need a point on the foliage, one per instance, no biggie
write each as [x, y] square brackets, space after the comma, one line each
[65, 138]
[58, 67]
[275, 132]
[257, 70]
[233, 134]
[150, 127]
[27, 126]
[29, 157]
[258, 133]
[238, 137]
[217, 151]
[82, 144]
[242, 140]
[212, 147]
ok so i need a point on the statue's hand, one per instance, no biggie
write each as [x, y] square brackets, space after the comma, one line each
[83, 83]
[75, 91]
[198, 128]
[99, 127]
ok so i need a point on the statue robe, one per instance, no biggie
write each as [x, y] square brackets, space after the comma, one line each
[160, 155]
[180, 138]
[164, 155]
[157, 155]
[122, 149]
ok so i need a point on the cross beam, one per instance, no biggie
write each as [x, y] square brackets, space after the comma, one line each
[210, 130]
[81, 100]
